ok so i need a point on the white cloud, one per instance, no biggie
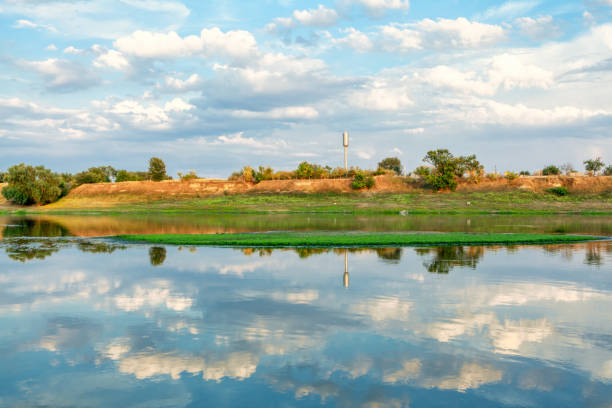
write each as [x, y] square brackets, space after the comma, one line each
[319, 17]
[237, 45]
[62, 75]
[538, 28]
[151, 116]
[441, 34]
[354, 39]
[508, 9]
[30, 24]
[51, 47]
[72, 50]
[460, 33]
[98, 18]
[377, 8]
[289, 112]
[381, 95]
[171, 84]
[112, 59]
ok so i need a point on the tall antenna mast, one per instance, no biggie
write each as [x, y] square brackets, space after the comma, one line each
[345, 143]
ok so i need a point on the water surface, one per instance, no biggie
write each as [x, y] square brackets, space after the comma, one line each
[91, 322]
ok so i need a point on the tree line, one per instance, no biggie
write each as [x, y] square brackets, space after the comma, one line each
[29, 185]
[443, 171]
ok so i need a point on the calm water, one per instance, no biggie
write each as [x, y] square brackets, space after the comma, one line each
[91, 322]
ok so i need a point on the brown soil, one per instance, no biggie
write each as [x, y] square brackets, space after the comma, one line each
[107, 195]
[136, 190]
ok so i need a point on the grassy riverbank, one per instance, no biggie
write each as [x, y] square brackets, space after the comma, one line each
[324, 239]
[503, 202]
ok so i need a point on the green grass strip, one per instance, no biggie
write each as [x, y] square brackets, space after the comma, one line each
[343, 239]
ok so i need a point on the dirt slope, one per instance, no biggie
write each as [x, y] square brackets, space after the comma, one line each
[107, 195]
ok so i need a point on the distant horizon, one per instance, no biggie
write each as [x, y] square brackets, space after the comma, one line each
[214, 87]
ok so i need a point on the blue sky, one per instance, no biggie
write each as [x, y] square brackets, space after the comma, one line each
[213, 86]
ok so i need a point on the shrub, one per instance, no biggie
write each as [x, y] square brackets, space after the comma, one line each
[124, 175]
[422, 171]
[101, 174]
[304, 171]
[192, 175]
[608, 171]
[391, 163]
[264, 173]
[362, 180]
[157, 169]
[510, 175]
[551, 170]
[524, 173]
[593, 166]
[560, 191]
[492, 176]
[32, 185]
[447, 168]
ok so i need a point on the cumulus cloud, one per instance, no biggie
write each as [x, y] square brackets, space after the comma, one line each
[319, 17]
[237, 45]
[62, 75]
[354, 39]
[377, 8]
[112, 59]
[171, 84]
[538, 28]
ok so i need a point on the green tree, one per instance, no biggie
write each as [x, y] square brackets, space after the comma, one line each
[124, 175]
[608, 171]
[304, 170]
[551, 170]
[594, 165]
[157, 169]
[447, 168]
[101, 174]
[391, 163]
[32, 185]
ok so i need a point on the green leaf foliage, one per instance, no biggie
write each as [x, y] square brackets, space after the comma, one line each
[32, 185]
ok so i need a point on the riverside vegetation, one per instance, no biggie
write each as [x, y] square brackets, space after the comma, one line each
[29, 185]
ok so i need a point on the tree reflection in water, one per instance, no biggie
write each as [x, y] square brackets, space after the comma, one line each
[157, 255]
[448, 257]
[27, 249]
[32, 227]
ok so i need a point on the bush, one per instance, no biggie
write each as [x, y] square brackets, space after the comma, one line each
[189, 176]
[593, 166]
[263, 173]
[492, 176]
[608, 171]
[510, 175]
[551, 170]
[157, 169]
[524, 173]
[391, 163]
[102, 174]
[32, 185]
[447, 168]
[124, 175]
[362, 180]
[422, 171]
[560, 191]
